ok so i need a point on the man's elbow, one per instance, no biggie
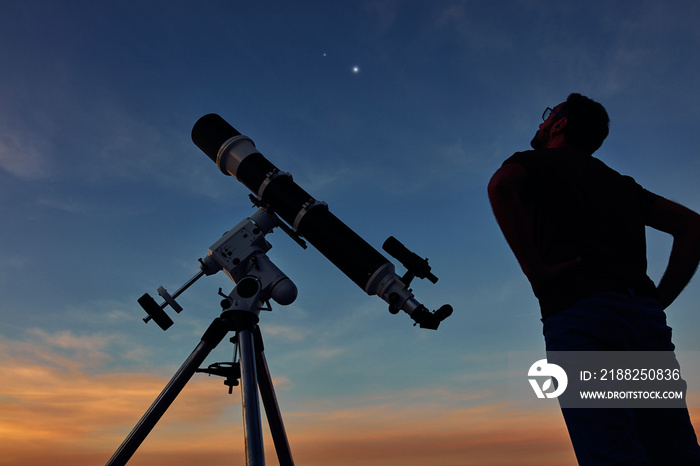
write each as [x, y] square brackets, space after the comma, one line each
[689, 225]
[673, 218]
[693, 225]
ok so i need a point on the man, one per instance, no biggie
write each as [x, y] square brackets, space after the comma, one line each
[577, 229]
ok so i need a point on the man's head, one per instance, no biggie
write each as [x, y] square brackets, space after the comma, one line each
[578, 122]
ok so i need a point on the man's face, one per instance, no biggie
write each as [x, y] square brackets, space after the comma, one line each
[543, 134]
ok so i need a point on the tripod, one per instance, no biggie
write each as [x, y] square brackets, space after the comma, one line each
[241, 254]
[240, 316]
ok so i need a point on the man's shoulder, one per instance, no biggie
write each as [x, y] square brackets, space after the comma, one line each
[522, 154]
[523, 158]
[540, 158]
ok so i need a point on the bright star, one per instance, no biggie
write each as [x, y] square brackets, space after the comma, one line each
[355, 69]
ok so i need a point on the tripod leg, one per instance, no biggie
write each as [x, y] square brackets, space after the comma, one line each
[211, 338]
[252, 422]
[272, 410]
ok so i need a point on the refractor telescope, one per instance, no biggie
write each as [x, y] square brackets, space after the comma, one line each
[237, 156]
[241, 254]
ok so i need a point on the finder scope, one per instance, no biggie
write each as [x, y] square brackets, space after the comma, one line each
[237, 156]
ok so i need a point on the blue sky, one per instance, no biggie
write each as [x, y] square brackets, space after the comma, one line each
[394, 113]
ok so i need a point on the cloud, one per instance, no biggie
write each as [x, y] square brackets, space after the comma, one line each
[287, 333]
[68, 410]
[67, 206]
[423, 427]
[61, 410]
[51, 402]
[23, 156]
[469, 25]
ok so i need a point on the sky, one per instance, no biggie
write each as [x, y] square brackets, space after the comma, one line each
[394, 113]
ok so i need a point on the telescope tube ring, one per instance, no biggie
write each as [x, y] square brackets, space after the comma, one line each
[306, 208]
[274, 174]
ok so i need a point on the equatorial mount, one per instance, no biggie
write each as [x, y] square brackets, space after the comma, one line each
[240, 252]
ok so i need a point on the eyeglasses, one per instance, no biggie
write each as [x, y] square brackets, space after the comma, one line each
[548, 111]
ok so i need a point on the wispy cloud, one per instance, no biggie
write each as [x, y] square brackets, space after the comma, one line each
[24, 156]
[287, 333]
[55, 411]
[54, 403]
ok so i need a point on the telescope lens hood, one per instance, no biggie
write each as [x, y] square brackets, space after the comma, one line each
[211, 132]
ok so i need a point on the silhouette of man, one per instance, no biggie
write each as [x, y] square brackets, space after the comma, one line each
[577, 229]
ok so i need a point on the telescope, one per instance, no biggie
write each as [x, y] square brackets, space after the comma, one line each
[242, 254]
[236, 155]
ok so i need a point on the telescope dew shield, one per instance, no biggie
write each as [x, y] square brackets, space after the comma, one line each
[237, 156]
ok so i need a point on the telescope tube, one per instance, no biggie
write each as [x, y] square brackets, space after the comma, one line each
[236, 155]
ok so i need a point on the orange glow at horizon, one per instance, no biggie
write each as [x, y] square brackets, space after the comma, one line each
[54, 411]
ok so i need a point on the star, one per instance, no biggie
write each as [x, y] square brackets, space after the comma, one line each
[355, 69]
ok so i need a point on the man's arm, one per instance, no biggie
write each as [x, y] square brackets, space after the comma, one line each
[515, 221]
[684, 225]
